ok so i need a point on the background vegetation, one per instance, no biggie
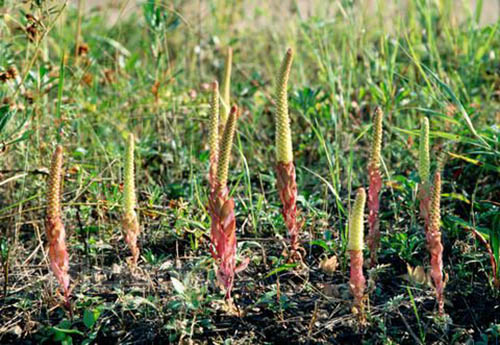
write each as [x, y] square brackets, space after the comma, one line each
[86, 78]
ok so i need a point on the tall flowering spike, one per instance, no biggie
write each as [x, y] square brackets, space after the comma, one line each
[376, 138]
[375, 187]
[225, 147]
[285, 169]
[56, 235]
[130, 222]
[226, 87]
[213, 136]
[129, 197]
[434, 242]
[284, 152]
[423, 157]
[355, 246]
[221, 208]
[356, 228]
[424, 193]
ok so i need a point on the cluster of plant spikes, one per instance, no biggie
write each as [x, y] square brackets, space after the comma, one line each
[130, 223]
[375, 185]
[285, 168]
[56, 235]
[221, 205]
[429, 197]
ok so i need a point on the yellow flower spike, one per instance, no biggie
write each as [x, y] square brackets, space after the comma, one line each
[130, 222]
[225, 148]
[226, 87]
[54, 191]
[129, 198]
[423, 158]
[376, 139]
[356, 227]
[435, 211]
[213, 124]
[284, 152]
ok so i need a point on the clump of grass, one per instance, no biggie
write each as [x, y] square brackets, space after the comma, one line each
[375, 186]
[221, 207]
[285, 169]
[130, 222]
[355, 246]
[434, 242]
[56, 235]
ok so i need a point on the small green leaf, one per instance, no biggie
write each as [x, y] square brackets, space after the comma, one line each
[285, 267]
[90, 317]
[178, 286]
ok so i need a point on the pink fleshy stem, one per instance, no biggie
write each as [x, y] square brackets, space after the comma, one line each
[357, 282]
[373, 238]
[287, 189]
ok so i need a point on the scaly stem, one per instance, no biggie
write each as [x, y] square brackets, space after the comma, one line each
[434, 243]
[287, 189]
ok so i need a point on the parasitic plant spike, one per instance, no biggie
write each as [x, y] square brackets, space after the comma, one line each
[424, 193]
[225, 148]
[356, 228]
[56, 235]
[213, 136]
[226, 88]
[355, 246]
[284, 152]
[221, 208]
[423, 155]
[130, 223]
[285, 169]
[434, 242]
[375, 178]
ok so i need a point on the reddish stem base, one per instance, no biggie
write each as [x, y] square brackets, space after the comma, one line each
[373, 238]
[357, 283]
[287, 189]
